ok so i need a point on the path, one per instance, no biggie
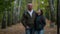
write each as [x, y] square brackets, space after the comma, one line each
[19, 29]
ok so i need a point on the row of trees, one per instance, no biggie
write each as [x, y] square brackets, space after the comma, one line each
[11, 10]
[5, 8]
[49, 8]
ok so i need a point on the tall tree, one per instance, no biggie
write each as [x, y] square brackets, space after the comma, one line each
[58, 12]
[4, 20]
[51, 2]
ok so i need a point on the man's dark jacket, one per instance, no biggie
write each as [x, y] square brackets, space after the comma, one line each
[27, 20]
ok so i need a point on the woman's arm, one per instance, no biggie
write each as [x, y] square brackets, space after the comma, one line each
[43, 20]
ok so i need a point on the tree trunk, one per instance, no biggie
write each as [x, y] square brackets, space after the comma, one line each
[4, 20]
[51, 2]
[58, 16]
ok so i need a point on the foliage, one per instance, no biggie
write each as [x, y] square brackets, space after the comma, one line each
[46, 8]
[36, 4]
[4, 4]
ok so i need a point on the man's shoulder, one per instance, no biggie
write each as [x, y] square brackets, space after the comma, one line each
[25, 13]
[34, 11]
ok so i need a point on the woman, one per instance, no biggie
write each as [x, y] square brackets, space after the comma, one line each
[40, 22]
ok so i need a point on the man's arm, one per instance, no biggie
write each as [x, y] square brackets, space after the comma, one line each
[23, 20]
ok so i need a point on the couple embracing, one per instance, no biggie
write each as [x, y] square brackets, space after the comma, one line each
[33, 22]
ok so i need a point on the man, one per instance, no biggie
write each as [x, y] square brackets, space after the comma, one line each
[28, 19]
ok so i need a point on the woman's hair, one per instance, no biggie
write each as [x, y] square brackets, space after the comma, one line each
[41, 12]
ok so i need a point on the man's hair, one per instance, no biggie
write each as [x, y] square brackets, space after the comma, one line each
[29, 3]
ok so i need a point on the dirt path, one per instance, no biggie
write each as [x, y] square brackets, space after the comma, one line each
[19, 29]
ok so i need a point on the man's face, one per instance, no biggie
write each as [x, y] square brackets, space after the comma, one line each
[29, 6]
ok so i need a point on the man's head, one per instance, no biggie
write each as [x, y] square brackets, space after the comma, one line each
[29, 6]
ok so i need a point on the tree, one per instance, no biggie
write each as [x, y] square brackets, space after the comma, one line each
[5, 4]
[58, 13]
[51, 2]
